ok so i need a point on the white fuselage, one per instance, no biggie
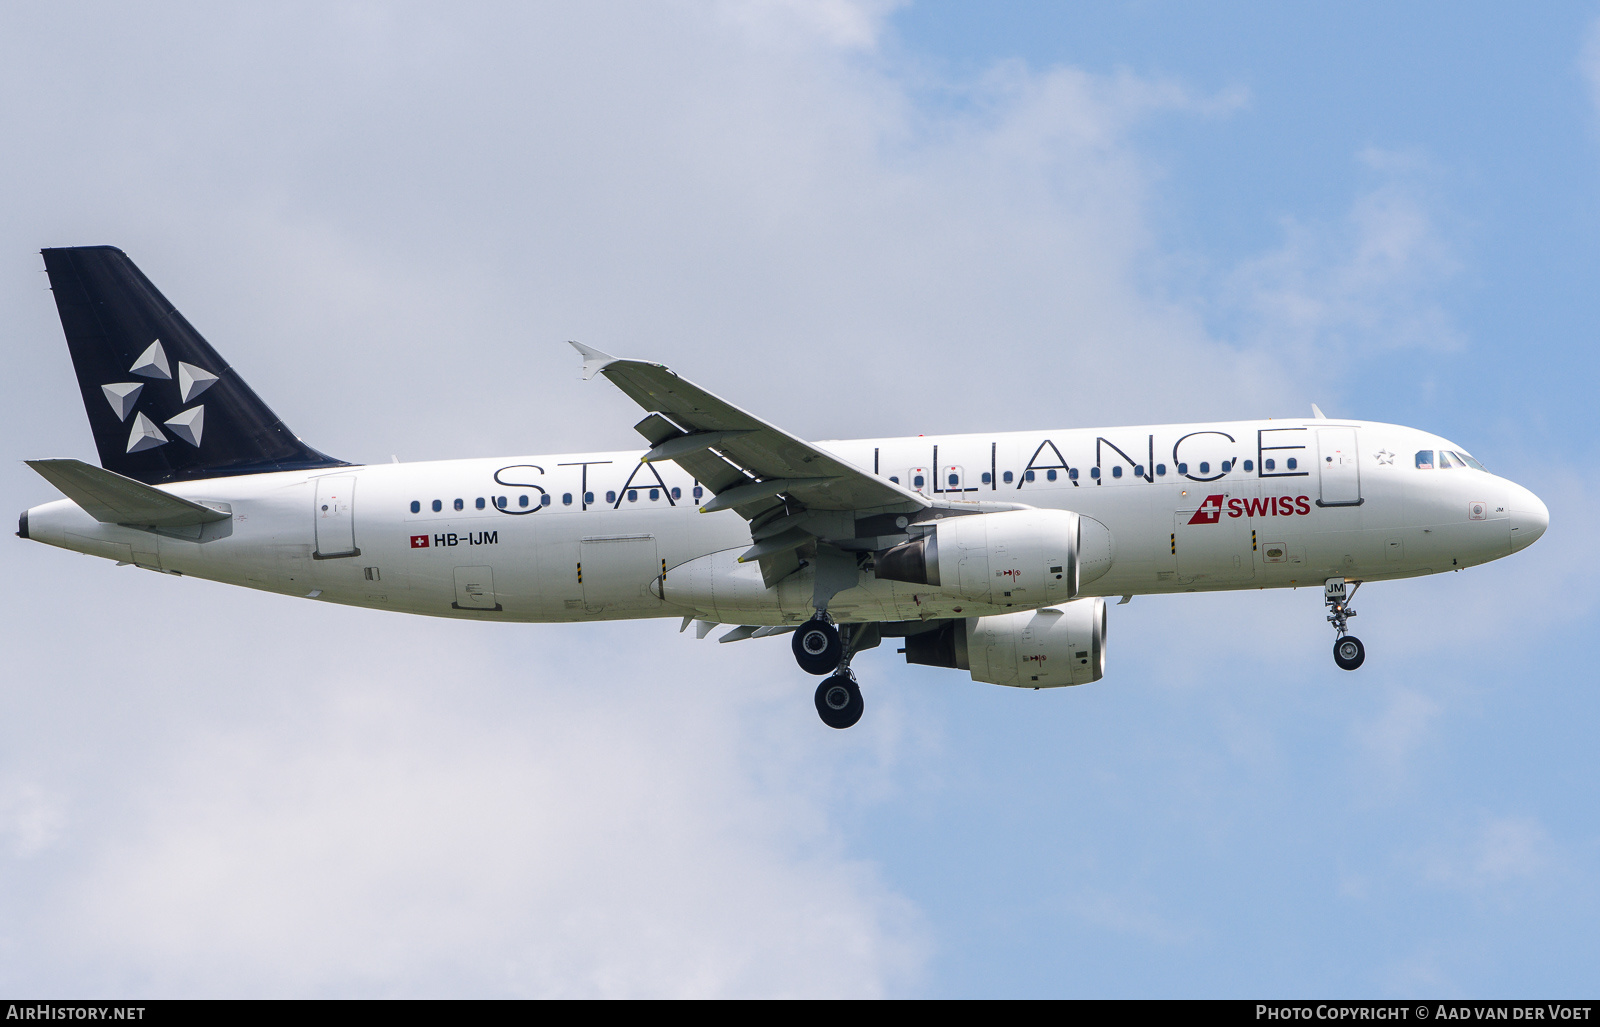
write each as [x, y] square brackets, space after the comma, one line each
[1250, 504]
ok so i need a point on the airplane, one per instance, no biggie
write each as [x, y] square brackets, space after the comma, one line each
[989, 553]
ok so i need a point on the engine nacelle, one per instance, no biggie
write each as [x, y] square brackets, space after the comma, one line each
[1059, 645]
[1014, 558]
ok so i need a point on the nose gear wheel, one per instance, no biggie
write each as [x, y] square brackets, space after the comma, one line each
[1348, 652]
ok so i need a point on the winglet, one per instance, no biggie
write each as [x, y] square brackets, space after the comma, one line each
[1316, 411]
[594, 361]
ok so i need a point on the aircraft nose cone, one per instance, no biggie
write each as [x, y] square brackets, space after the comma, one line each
[1529, 517]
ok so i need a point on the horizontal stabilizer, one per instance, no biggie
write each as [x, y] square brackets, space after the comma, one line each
[110, 498]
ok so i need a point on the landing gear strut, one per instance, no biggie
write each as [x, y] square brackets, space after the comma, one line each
[1348, 652]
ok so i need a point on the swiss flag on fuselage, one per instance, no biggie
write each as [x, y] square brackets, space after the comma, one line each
[1210, 511]
[419, 542]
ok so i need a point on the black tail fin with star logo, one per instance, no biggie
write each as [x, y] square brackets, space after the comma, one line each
[162, 404]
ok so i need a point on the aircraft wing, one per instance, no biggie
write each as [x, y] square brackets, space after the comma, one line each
[781, 484]
[742, 460]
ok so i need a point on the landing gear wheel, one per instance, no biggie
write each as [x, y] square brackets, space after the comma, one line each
[1348, 652]
[839, 701]
[817, 648]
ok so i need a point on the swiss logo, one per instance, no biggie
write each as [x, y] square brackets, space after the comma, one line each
[419, 542]
[1210, 511]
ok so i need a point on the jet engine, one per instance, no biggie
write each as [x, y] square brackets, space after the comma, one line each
[1058, 645]
[1014, 558]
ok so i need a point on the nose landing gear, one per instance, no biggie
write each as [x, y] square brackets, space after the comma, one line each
[1348, 652]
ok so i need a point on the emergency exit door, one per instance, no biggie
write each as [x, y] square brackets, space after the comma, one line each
[335, 517]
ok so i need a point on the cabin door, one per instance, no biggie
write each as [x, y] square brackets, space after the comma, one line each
[335, 517]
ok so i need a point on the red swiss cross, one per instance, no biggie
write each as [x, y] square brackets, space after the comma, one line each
[419, 542]
[1210, 511]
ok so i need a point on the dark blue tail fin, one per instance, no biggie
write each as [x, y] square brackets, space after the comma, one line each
[162, 404]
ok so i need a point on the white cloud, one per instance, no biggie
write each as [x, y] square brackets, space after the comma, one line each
[409, 819]
[30, 817]
[1503, 853]
[1342, 295]
[1589, 62]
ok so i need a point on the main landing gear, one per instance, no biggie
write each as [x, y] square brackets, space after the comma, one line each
[839, 700]
[817, 646]
[821, 648]
[1348, 652]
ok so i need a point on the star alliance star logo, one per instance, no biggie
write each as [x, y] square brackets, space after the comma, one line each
[1383, 456]
[124, 397]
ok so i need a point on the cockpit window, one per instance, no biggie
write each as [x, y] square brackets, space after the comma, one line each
[1424, 459]
[1472, 463]
[1448, 460]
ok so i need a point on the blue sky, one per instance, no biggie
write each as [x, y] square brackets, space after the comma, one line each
[858, 220]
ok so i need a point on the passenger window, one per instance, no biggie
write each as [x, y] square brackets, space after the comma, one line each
[917, 482]
[1028, 475]
[437, 506]
[1183, 468]
[895, 478]
[1138, 469]
[655, 494]
[1094, 472]
[1205, 467]
[500, 501]
[955, 479]
[1161, 470]
[1073, 474]
[479, 503]
[633, 495]
[522, 500]
[566, 499]
[1293, 463]
[1424, 459]
[698, 491]
[611, 497]
[1249, 466]
[416, 507]
[588, 497]
[544, 500]
[1050, 474]
[677, 493]
[1271, 464]
[1006, 477]
[1116, 472]
[986, 478]
[460, 504]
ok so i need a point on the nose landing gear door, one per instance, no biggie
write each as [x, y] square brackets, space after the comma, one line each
[335, 518]
[1341, 474]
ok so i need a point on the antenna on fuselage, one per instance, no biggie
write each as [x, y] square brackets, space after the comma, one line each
[1316, 412]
